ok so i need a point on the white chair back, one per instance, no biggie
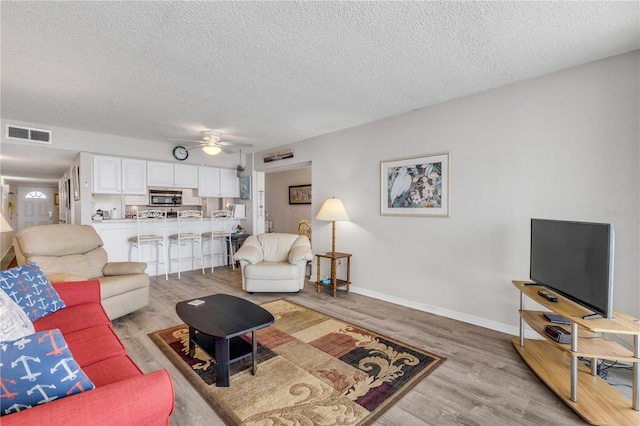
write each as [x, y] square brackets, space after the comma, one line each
[189, 224]
[151, 223]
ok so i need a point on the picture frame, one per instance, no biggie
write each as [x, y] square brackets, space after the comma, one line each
[300, 194]
[417, 186]
[75, 182]
[56, 199]
[245, 188]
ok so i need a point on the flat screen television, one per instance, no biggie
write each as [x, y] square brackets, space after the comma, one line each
[575, 259]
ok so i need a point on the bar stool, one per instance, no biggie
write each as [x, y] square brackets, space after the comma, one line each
[189, 230]
[220, 238]
[150, 231]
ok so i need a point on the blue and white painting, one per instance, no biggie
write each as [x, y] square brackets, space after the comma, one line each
[417, 186]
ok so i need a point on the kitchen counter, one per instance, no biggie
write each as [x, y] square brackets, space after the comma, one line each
[169, 220]
[115, 234]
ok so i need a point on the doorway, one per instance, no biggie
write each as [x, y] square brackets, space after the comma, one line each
[36, 206]
[280, 215]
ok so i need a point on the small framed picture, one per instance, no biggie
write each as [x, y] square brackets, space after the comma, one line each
[415, 186]
[300, 194]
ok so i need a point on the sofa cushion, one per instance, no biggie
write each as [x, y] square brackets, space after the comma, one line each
[14, 322]
[38, 369]
[94, 344]
[112, 370]
[271, 271]
[119, 284]
[74, 318]
[31, 289]
[84, 265]
[57, 240]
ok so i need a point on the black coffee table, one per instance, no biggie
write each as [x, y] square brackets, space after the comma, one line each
[216, 326]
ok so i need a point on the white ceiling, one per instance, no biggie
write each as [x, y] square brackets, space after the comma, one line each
[273, 73]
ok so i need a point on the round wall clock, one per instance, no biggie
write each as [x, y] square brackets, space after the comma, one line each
[180, 153]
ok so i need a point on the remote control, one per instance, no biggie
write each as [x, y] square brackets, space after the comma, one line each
[550, 297]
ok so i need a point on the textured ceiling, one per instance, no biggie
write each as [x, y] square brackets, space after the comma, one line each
[272, 73]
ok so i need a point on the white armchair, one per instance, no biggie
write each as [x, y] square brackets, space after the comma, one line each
[274, 262]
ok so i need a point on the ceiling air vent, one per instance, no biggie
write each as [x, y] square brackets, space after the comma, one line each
[27, 134]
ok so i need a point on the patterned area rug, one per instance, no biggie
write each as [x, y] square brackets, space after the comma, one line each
[313, 369]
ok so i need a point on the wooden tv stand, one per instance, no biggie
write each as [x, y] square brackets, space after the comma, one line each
[558, 366]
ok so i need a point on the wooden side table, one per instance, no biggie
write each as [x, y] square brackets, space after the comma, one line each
[335, 282]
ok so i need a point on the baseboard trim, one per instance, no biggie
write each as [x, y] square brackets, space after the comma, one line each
[447, 313]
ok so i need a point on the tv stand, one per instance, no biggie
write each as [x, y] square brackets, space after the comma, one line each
[578, 386]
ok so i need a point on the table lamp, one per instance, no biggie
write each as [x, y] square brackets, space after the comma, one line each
[332, 210]
[4, 225]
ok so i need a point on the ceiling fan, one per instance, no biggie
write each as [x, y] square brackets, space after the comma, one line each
[212, 144]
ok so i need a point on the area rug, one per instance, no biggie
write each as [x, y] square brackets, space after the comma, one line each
[313, 369]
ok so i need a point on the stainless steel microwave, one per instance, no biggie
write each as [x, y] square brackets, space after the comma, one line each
[166, 198]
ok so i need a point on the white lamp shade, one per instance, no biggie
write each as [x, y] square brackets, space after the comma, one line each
[4, 225]
[211, 150]
[332, 210]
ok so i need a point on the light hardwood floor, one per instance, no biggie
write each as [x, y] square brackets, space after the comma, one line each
[482, 382]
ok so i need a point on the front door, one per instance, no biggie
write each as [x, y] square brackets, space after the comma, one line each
[35, 206]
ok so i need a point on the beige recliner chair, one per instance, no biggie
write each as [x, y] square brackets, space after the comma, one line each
[75, 253]
[274, 262]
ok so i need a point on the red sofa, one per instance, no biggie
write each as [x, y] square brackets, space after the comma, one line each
[124, 395]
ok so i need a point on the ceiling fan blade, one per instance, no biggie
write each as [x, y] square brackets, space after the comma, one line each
[189, 148]
[226, 150]
[247, 145]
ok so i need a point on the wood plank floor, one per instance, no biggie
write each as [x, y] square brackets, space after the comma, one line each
[482, 382]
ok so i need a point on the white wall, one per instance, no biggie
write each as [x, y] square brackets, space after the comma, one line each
[561, 146]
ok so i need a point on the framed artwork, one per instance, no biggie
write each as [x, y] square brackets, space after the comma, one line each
[245, 188]
[56, 199]
[415, 186]
[75, 182]
[300, 194]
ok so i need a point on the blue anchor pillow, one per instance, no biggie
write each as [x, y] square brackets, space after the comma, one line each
[37, 369]
[31, 290]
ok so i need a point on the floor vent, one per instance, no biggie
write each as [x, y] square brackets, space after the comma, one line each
[27, 134]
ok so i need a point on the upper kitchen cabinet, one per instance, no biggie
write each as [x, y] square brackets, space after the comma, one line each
[229, 183]
[215, 182]
[114, 175]
[185, 176]
[168, 175]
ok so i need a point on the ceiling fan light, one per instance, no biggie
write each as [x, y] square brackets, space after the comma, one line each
[211, 150]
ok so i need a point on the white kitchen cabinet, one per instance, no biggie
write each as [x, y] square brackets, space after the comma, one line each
[209, 182]
[136, 200]
[114, 175]
[159, 174]
[215, 182]
[185, 176]
[134, 176]
[229, 183]
[168, 175]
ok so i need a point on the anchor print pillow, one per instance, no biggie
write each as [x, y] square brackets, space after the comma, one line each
[31, 290]
[37, 369]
